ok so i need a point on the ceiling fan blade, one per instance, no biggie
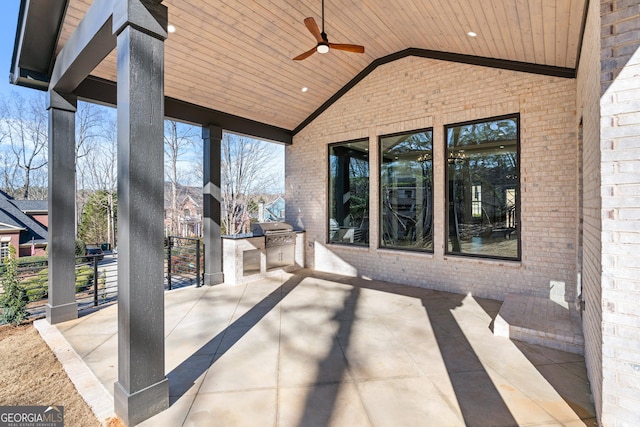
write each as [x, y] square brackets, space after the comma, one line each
[347, 47]
[313, 28]
[305, 55]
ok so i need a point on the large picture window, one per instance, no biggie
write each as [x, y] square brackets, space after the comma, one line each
[349, 192]
[483, 188]
[406, 190]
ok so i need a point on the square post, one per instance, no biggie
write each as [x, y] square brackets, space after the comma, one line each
[62, 305]
[212, 138]
[142, 390]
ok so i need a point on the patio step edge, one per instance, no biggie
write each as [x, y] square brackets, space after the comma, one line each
[537, 320]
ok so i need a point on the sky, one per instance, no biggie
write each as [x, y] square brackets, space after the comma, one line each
[8, 23]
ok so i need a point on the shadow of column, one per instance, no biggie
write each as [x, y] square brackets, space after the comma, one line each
[321, 403]
[183, 376]
[479, 400]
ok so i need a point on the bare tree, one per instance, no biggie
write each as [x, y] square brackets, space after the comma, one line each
[244, 170]
[178, 139]
[91, 128]
[101, 166]
[26, 126]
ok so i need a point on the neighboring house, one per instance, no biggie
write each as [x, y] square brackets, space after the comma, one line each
[23, 224]
[188, 215]
[272, 211]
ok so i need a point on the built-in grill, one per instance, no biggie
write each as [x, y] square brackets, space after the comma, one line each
[279, 243]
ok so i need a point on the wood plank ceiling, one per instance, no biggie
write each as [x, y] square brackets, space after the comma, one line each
[235, 55]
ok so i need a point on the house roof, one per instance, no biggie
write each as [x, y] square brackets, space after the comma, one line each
[11, 215]
[184, 191]
[32, 206]
[231, 61]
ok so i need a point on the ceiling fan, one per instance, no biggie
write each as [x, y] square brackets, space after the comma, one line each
[324, 45]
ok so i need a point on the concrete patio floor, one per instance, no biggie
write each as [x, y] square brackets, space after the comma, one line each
[315, 349]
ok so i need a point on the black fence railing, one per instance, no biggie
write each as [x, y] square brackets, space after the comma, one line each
[96, 282]
[96, 276]
[185, 261]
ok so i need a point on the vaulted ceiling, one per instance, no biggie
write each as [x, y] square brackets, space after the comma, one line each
[235, 56]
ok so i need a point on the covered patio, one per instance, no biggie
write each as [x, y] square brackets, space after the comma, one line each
[524, 181]
[318, 349]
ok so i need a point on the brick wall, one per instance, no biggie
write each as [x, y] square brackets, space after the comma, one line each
[414, 93]
[620, 166]
[588, 103]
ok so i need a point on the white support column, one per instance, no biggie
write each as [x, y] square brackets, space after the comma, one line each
[142, 389]
[62, 305]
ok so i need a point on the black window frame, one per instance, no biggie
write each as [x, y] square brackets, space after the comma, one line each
[329, 189]
[380, 193]
[518, 204]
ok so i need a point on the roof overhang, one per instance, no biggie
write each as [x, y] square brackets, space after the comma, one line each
[37, 34]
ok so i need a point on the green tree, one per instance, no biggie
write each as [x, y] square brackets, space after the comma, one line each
[13, 300]
[94, 223]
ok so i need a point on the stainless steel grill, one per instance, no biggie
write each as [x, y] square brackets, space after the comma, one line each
[279, 242]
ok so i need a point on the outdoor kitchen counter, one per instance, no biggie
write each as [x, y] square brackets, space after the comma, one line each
[244, 257]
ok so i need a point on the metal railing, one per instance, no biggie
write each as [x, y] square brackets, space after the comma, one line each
[96, 276]
[185, 261]
[96, 282]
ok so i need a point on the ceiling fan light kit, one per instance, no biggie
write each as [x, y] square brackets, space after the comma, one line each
[323, 45]
[322, 48]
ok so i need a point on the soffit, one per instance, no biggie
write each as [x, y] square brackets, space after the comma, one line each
[235, 56]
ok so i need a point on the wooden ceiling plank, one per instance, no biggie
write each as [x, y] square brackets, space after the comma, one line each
[573, 33]
[563, 15]
[526, 33]
[399, 21]
[451, 27]
[265, 51]
[504, 11]
[549, 16]
[434, 22]
[235, 55]
[485, 31]
[462, 27]
[497, 27]
[249, 83]
[537, 26]
[360, 25]
[245, 63]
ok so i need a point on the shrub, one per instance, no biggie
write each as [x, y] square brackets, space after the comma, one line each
[33, 261]
[37, 286]
[81, 248]
[84, 277]
[13, 300]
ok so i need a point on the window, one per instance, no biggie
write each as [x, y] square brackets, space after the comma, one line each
[483, 186]
[349, 192]
[406, 190]
[4, 251]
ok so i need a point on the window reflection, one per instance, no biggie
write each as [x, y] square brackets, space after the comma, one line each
[349, 192]
[406, 190]
[482, 177]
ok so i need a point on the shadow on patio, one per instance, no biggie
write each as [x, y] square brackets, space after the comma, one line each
[315, 349]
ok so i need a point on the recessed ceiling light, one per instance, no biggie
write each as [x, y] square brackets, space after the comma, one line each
[304, 89]
[171, 28]
[471, 34]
